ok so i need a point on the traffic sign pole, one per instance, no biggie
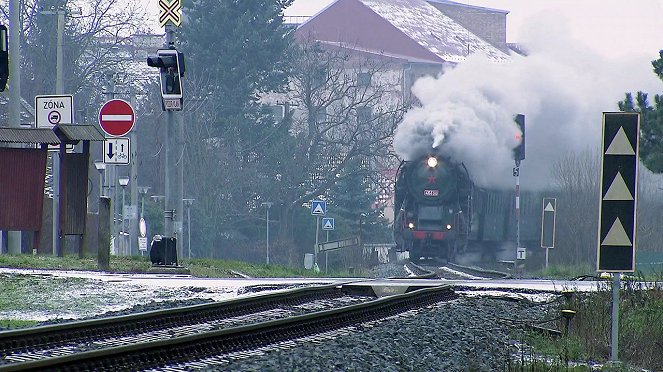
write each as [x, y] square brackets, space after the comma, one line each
[317, 227]
[618, 201]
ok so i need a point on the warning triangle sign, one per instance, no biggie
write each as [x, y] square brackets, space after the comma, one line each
[620, 144]
[549, 208]
[328, 225]
[318, 209]
[618, 190]
[617, 235]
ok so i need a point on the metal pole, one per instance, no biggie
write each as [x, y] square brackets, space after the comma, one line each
[169, 132]
[59, 89]
[15, 65]
[13, 238]
[327, 254]
[101, 183]
[188, 228]
[518, 204]
[123, 232]
[59, 67]
[614, 334]
[267, 235]
[315, 255]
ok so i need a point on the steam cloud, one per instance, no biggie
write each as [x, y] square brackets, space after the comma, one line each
[561, 87]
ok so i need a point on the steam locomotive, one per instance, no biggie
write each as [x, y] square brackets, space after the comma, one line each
[441, 214]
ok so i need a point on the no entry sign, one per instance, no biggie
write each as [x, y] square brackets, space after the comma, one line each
[116, 117]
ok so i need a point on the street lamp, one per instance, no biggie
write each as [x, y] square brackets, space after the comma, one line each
[188, 203]
[101, 167]
[143, 190]
[267, 205]
[123, 181]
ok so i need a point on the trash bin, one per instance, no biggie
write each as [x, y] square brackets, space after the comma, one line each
[308, 261]
[163, 251]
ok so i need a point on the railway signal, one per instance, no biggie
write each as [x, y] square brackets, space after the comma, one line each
[4, 58]
[171, 71]
[519, 151]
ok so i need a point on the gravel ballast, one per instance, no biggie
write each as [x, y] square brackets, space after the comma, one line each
[467, 334]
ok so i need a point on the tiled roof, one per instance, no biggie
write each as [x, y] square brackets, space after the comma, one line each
[28, 135]
[78, 132]
[430, 28]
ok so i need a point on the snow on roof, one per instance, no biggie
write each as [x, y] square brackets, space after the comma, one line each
[483, 8]
[433, 30]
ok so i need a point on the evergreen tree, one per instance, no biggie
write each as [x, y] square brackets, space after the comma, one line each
[651, 122]
[236, 52]
[355, 202]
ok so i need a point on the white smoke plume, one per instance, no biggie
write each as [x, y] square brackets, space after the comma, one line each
[561, 87]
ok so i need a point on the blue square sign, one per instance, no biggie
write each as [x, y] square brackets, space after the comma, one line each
[318, 208]
[328, 223]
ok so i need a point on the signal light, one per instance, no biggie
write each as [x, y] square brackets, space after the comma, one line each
[519, 151]
[4, 58]
[171, 69]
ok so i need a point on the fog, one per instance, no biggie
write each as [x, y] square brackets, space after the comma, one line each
[561, 87]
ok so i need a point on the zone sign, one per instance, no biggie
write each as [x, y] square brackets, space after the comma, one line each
[116, 117]
[53, 110]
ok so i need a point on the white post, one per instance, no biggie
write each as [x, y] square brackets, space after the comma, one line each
[315, 251]
[267, 205]
[122, 240]
[614, 334]
[188, 228]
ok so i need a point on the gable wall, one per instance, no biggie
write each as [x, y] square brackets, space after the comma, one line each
[487, 24]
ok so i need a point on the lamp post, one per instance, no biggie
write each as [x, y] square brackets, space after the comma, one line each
[188, 203]
[267, 205]
[101, 167]
[143, 190]
[123, 181]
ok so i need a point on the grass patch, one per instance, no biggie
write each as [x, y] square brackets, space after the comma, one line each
[6, 324]
[199, 267]
[588, 338]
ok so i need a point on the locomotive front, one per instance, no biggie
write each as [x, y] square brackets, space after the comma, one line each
[429, 209]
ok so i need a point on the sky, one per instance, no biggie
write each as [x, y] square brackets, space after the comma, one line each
[583, 57]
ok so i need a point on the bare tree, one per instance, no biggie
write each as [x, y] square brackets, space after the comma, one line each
[346, 106]
[97, 41]
[577, 176]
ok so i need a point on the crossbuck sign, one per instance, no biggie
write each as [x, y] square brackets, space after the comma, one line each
[170, 12]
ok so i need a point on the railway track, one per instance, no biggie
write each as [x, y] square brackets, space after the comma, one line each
[451, 271]
[197, 335]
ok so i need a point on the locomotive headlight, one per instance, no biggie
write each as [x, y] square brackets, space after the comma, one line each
[410, 225]
[448, 227]
[432, 162]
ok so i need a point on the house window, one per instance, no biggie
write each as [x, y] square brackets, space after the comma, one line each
[321, 115]
[278, 111]
[363, 79]
[364, 114]
[319, 77]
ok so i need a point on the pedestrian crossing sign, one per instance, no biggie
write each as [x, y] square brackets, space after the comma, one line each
[328, 224]
[318, 208]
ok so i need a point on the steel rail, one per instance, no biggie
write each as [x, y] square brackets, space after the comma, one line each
[161, 353]
[43, 337]
[477, 271]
